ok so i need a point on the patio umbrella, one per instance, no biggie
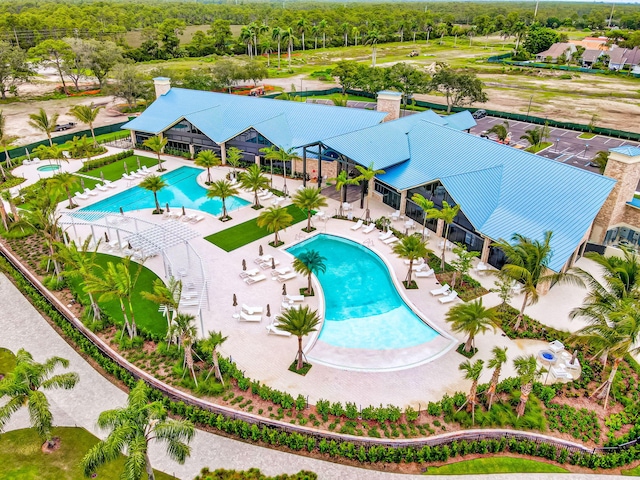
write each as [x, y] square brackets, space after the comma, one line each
[268, 310]
[106, 237]
[573, 357]
[121, 211]
[126, 170]
[273, 263]
[138, 159]
[168, 208]
[235, 300]
[26, 150]
[284, 289]
[260, 251]
[102, 176]
[244, 264]
[183, 212]
[129, 245]
[235, 305]
[82, 183]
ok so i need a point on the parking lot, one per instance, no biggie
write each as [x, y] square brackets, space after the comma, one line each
[566, 147]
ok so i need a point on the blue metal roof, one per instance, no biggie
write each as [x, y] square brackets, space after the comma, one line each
[628, 150]
[221, 117]
[461, 121]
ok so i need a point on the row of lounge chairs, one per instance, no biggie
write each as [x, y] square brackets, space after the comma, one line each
[177, 215]
[84, 195]
[254, 314]
[449, 295]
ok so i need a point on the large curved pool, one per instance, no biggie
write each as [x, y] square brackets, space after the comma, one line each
[363, 309]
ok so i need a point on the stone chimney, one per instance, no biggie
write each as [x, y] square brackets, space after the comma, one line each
[389, 102]
[162, 85]
[623, 166]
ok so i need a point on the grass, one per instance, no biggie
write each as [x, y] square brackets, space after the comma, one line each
[303, 371]
[114, 171]
[7, 361]
[633, 472]
[146, 312]
[249, 231]
[495, 465]
[22, 459]
[353, 98]
[538, 148]
[587, 136]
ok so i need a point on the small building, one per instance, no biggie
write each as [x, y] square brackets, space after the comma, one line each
[621, 58]
[589, 57]
[556, 51]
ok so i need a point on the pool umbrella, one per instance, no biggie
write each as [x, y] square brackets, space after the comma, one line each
[260, 251]
[273, 263]
[126, 170]
[183, 212]
[284, 289]
[244, 264]
[129, 245]
[268, 310]
[82, 183]
[168, 208]
[102, 176]
[138, 159]
[573, 357]
[121, 211]
[106, 237]
[235, 300]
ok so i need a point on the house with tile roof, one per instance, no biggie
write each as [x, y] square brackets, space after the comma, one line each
[555, 51]
[621, 58]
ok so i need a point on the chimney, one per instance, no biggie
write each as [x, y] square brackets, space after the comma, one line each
[389, 102]
[162, 85]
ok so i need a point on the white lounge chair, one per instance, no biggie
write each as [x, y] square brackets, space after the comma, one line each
[189, 218]
[81, 196]
[265, 197]
[251, 310]
[449, 298]
[249, 273]
[481, 267]
[422, 267]
[280, 271]
[556, 346]
[110, 184]
[390, 240]
[268, 265]
[276, 331]
[250, 318]
[369, 228]
[357, 225]
[197, 218]
[263, 259]
[346, 206]
[516, 288]
[395, 215]
[416, 263]
[385, 235]
[425, 274]
[102, 188]
[295, 298]
[254, 279]
[409, 224]
[441, 291]
[287, 276]
[560, 373]
[90, 192]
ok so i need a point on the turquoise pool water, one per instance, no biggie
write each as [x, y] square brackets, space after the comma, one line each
[363, 309]
[182, 191]
[48, 168]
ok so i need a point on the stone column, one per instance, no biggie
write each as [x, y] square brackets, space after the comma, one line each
[403, 202]
[440, 227]
[319, 166]
[133, 138]
[223, 153]
[484, 256]
[257, 159]
[161, 85]
[389, 101]
[304, 166]
[192, 151]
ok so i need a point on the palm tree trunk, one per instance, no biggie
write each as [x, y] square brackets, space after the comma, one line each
[149, 468]
[491, 392]
[278, 54]
[453, 279]
[3, 214]
[160, 169]
[7, 157]
[468, 344]
[309, 284]
[188, 355]
[299, 366]
[155, 198]
[521, 314]
[93, 135]
[524, 397]
[308, 220]
[71, 205]
[216, 366]
[125, 318]
[208, 175]
[603, 390]
[224, 207]
[134, 327]
[409, 273]
[94, 306]
[303, 41]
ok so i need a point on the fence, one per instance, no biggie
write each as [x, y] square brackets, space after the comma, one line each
[567, 68]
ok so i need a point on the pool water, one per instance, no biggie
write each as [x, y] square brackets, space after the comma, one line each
[48, 168]
[363, 309]
[182, 190]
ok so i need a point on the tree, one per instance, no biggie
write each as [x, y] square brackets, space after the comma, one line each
[600, 160]
[309, 199]
[323, 26]
[411, 248]
[367, 176]
[299, 322]
[131, 430]
[167, 296]
[24, 385]
[533, 136]
[255, 71]
[347, 73]
[210, 345]
[289, 37]
[226, 73]
[14, 68]
[472, 372]
[373, 36]
[53, 52]
[234, 155]
[341, 181]
[67, 182]
[302, 26]
[43, 123]
[408, 80]
[425, 205]
[128, 84]
[527, 369]
[221, 35]
[222, 189]
[207, 159]
[501, 130]
[101, 57]
[276, 35]
[254, 180]
[6, 140]
[503, 287]
[309, 262]
[462, 264]
[539, 39]
[156, 144]
[497, 360]
[185, 330]
[471, 319]
[275, 219]
[154, 184]
[447, 214]
[87, 114]
[458, 88]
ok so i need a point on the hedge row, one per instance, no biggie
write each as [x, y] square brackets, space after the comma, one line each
[101, 162]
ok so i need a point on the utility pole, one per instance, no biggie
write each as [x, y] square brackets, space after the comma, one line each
[611, 16]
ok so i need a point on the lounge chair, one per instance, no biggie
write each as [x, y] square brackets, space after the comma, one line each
[449, 298]
[90, 192]
[357, 225]
[560, 373]
[423, 274]
[295, 298]
[102, 188]
[422, 267]
[369, 228]
[385, 235]
[265, 197]
[416, 263]
[145, 169]
[556, 346]
[254, 279]
[395, 215]
[251, 310]
[268, 265]
[262, 259]
[129, 177]
[346, 206]
[109, 184]
[197, 218]
[287, 276]
[276, 331]
[189, 218]
[516, 288]
[390, 240]
[81, 196]
[481, 268]
[250, 318]
[409, 224]
[441, 291]
[249, 273]
[280, 271]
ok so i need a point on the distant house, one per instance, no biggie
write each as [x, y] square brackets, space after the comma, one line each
[589, 57]
[620, 58]
[592, 43]
[557, 50]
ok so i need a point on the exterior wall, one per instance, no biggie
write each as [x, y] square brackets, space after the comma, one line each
[631, 216]
[389, 102]
[162, 85]
[626, 170]
[329, 169]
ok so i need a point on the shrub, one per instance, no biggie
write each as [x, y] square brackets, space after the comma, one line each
[101, 162]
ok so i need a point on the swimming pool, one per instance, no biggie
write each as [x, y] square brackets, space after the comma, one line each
[363, 309]
[182, 191]
[48, 168]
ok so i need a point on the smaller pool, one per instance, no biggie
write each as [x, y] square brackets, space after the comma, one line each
[48, 168]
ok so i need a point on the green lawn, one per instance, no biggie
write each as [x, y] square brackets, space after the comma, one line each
[249, 231]
[586, 136]
[353, 98]
[495, 465]
[7, 361]
[634, 472]
[146, 312]
[536, 149]
[22, 459]
[114, 171]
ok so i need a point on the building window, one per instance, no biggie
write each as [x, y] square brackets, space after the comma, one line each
[389, 196]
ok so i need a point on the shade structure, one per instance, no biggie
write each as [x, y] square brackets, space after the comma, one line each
[273, 263]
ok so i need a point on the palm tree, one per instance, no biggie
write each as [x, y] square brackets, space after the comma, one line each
[534, 136]
[67, 182]
[518, 29]
[472, 372]
[246, 36]
[276, 35]
[367, 174]
[425, 205]
[471, 318]
[167, 296]
[501, 130]
[132, 428]
[527, 369]
[234, 155]
[309, 199]
[222, 189]
[447, 214]
[344, 29]
[24, 386]
[600, 160]
[207, 159]
[6, 196]
[372, 39]
[275, 219]
[184, 328]
[289, 37]
[4, 215]
[43, 123]
[302, 25]
[6, 140]
[154, 184]
[87, 114]
[411, 248]
[210, 345]
[355, 32]
[527, 263]
[308, 263]
[341, 181]
[271, 154]
[156, 144]
[496, 362]
[299, 322]
[315, 31]
[254, 180]
[322, 27]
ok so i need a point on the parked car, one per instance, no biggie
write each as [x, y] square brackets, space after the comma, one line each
[61, 127]
[414, 53]
[479, 114]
